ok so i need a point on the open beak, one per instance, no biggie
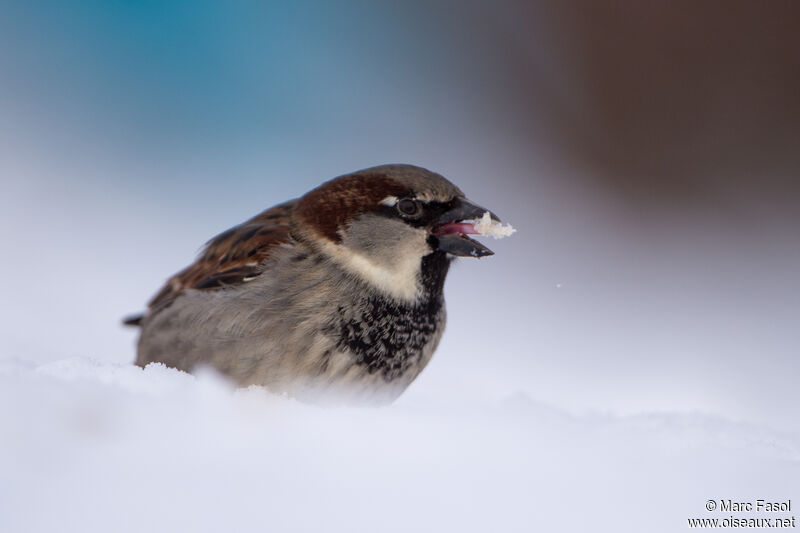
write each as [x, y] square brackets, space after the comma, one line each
[451, 230]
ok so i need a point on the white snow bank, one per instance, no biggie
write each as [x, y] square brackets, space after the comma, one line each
[101, 447]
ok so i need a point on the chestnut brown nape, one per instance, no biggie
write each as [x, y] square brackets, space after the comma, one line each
[334, 204]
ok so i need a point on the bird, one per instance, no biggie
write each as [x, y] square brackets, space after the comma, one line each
[334, 297]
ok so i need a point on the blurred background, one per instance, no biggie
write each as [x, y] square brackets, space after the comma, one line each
[647, 152]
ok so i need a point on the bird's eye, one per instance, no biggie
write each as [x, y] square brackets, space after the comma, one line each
[409, 207]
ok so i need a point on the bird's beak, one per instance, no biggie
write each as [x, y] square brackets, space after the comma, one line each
[452, 227]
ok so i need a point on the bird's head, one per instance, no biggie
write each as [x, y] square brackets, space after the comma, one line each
[394, 226]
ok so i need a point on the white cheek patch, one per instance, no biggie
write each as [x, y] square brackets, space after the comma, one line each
[400, 279]
[490, 228]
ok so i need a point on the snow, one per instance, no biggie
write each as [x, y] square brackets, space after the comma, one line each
[97, 446]
[488, 227]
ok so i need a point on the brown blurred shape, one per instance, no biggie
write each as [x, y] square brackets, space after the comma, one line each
[668, 103]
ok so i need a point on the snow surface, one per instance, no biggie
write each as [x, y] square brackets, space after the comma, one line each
[96, 446]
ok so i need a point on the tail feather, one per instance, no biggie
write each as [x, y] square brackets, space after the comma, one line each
[133, 320]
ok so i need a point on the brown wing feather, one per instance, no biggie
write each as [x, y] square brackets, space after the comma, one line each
[234, 256]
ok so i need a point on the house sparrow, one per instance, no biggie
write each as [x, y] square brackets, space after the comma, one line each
[333, 296]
